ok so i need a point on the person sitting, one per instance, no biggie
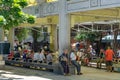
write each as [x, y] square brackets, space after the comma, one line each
[63, 58]
[16, 55]
[41, 56]
[118, 53]
[30, 56]
[24, 56]
[36, 57]
[80, 55]
[11, 55]
[73, 58]
[49, 58]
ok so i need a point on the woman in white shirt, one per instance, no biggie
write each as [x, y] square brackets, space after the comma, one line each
[36, 57]
[41, 56]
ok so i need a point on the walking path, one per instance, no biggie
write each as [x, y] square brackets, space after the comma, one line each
[16, 73]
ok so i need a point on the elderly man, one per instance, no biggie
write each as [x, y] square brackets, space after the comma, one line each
[73, 57]
[64, 62]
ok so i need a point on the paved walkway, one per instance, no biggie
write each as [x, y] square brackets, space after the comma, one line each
[15, 73]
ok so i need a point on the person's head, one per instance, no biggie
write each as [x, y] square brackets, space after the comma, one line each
[90, 46]
[73, 45]
[108, 47]
[42, 51]
[65, 51]
[101, 50]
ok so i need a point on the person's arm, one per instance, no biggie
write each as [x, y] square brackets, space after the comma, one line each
[70, 58]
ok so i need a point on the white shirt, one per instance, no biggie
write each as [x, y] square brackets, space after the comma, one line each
[41, 57]
[49, 58]
[118, 53]
[36, 56]
[72, 56]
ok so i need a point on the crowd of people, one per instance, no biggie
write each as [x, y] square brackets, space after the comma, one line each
[75, 56]
[79, 56]
[26, 54]
[31, 56]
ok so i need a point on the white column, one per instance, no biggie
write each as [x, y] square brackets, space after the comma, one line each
[64, 28]
[55, 37]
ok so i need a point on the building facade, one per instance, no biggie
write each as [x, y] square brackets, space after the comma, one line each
[61, 15]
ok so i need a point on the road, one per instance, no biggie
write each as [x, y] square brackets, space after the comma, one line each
[16, 73]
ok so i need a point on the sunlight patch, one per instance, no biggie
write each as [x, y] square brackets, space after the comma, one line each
[18, 77]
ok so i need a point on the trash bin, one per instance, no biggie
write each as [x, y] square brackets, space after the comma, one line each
[4, 48]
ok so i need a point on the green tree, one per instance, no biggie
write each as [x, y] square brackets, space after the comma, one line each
[21, 33]
[11, 14]
[36, 33]
[87, 36]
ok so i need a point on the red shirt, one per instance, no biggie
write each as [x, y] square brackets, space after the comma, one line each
[109, 55]
[11, 55]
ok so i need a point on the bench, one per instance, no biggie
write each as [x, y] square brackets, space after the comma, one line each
[28, 64]
[59, 70]
[94, 64]
[56, 68]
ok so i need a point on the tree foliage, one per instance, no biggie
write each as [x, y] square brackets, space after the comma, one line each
[91, 36]
[21, 33]
[11, 14]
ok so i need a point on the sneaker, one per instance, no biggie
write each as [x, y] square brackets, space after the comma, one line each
[64, 74]
[79, 73]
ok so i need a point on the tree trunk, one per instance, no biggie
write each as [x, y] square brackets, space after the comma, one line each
[35, 43]
[100, 41]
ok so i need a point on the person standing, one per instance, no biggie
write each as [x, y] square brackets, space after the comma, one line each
[100, 58]
[63, 58]
[73, 58]
[109, 57]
